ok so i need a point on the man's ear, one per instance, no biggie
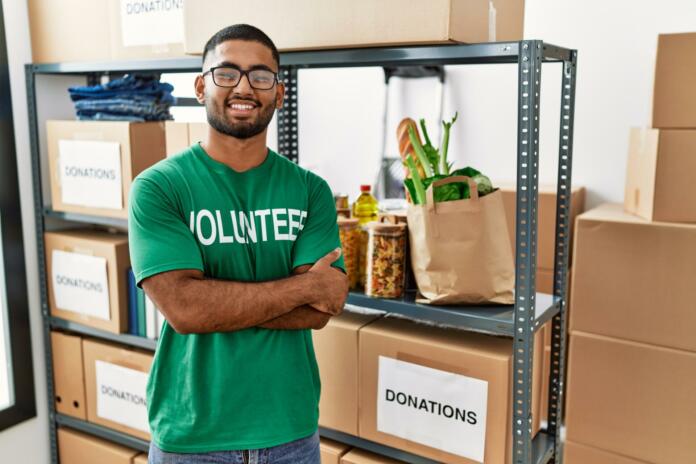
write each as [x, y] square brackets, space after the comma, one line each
[280, 95]
[199, 86]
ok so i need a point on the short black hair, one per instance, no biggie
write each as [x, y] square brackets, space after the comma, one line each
[241, 32]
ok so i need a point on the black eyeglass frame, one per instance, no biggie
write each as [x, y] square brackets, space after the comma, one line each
[243, 73]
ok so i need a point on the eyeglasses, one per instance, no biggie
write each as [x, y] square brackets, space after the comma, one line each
[227, 76]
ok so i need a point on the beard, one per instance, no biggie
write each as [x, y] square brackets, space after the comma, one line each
[239, 129]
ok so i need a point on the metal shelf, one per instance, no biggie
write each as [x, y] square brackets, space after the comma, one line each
[492, 319]
[513, 320]
[542, 447]
[481, 53]
[125, 339]
[103, 432]
[87, 219]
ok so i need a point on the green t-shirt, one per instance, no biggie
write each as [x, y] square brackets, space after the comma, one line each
[251, 388]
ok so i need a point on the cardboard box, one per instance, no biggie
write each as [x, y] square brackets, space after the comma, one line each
[634, 279]
[546, 221]
[480, 358]
[176, 137]
[68, 375]
[140, 459]
[95, 154]
[358, 23]
[138, 32]
[332, 451]
[198, 132]
[659, 176]
[115, 381]
[59, 28]
[631, 398]
[79, 448]
[674, 101]
[336, 348]
[575, 453]
[357, 456]
[73, 284]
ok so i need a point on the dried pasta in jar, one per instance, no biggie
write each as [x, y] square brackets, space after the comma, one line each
[349, 233]
[386, 260]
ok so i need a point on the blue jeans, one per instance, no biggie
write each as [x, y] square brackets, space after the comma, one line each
[302, 451]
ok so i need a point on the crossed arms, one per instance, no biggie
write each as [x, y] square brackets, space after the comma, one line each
[191, 303]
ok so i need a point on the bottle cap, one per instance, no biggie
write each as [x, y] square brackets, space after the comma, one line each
[365, 188]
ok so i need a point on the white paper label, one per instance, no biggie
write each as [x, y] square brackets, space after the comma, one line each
[432, 407]
[152, 22]
[121, 395]
[90, 173]
[80, 283]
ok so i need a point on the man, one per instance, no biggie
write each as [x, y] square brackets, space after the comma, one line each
[238, 248]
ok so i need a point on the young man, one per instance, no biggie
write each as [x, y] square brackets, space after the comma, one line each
[238, 247]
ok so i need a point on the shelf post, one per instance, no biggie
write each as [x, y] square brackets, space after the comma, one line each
[288, 140]
[560, 281]
[529, 80]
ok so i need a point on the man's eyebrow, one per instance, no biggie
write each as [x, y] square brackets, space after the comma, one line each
[235, 65]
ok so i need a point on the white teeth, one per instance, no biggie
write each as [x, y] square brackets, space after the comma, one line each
[242, 107]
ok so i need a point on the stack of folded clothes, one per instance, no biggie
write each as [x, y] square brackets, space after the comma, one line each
[131, 98]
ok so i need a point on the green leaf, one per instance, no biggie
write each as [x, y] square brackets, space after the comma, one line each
[420, 152]
[483, 183]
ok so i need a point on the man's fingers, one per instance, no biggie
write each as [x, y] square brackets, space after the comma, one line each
[329, 258]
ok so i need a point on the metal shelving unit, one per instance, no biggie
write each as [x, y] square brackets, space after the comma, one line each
[519, 321]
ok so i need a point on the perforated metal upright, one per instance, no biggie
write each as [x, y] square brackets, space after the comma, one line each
[519, 321]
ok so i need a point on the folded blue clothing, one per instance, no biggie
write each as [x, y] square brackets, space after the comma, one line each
[99, 116]
[124, 106]
[130, 86]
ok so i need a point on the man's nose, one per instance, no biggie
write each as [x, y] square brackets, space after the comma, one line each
[244, 86]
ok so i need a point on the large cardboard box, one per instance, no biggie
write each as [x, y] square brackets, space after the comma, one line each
[358, 456]
[116, 30]
[68, 375]
[659, 176]
[546, 221]
[358, 23]
[176, 137]
[115, 381]
[674, 101]
[87, 158]
[403, 364]
[336, 348]
[634, 279]
[79, 448]
[86, 272]
[332, 451]
[140, 459]
[631, 399]
[575, 453]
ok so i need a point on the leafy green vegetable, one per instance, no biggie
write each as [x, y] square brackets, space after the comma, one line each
[444, 146]
[483, 183]
[414, 184]
[420, 152]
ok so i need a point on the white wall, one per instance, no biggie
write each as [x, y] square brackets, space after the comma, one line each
[26, 442]
[616, 41]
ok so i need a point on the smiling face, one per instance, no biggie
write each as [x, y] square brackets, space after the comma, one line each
[241, 111]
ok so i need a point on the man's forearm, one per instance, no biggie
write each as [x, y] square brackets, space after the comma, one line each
[304, 317]
[194, 304]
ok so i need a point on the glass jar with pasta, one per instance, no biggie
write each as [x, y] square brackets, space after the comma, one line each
[349, 233]
[386, 260]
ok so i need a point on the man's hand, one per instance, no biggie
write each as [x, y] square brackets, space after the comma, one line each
[330, 284]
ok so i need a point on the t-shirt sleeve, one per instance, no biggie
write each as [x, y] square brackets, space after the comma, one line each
[159, 238]
[319, 236]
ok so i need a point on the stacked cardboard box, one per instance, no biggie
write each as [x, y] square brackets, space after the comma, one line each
[79, 448]
[632, 363]
[332, 451]
[117, 30]
[342, 23]
[357, 456]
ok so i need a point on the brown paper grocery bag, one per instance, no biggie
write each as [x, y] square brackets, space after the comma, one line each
[460, 250]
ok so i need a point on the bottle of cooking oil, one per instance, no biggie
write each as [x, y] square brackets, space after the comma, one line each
[365, 210]
[366, 207]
